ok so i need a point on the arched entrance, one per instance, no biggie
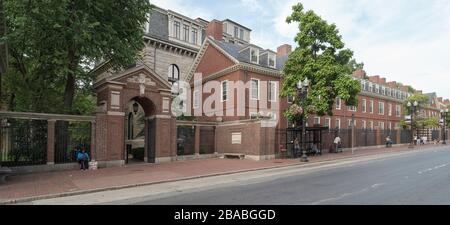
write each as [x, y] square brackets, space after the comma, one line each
[140, 131]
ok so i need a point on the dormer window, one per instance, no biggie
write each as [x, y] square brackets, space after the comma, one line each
[272, 62]
[254, 55]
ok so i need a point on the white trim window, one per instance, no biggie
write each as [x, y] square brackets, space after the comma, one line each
[371, 125]
[224, 91]
[273, 91]
[352, 108]
[194, 39]
[316, 120]
[196, 99]
[338, 103]
[186, 32]
[272, 60]
[371, 106]
[364, 105]
[290, 99]
[338, 124]
[254, 95]
[390, 109]
[328, 123]
[381, 125]
[254, 55]
[380, 108]
[364, 124]
[177, 29]
[398, 110]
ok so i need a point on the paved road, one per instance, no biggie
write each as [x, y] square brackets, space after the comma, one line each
[417, 178]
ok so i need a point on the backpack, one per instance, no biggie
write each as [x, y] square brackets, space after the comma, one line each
[81, 156]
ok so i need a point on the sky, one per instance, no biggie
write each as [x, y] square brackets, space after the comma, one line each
[407, 41]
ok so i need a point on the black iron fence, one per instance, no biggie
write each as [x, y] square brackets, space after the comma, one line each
[207, 140]
[325, 140]
[185, 140]
[23, 142]
[70, 137]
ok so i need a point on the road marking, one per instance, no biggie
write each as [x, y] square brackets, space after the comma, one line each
[375, 186]
[431, 169]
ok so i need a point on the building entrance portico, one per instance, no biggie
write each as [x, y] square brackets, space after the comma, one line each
[134, 120]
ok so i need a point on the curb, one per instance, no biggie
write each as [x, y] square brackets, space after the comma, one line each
[68, 194]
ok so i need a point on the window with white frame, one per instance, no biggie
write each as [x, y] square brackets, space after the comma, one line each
[241, 34]
[196, 99]
[327, 122]
[398, 110]
[371, 125]
[236, 32]
[173, 73]
[254, 55]
[224, 91]
[351, 108]
[254, 89]
[338, 124]
[272, 62]
[316, 120]
[176, 29]
[338, 103]
[377, 89]
[390, 109]
[381, 108]
[194, 36]
[186, 33]
[371, 87]
[364, 124]
[273, 91]
[364, 105]
[381, 125]
[371, 106]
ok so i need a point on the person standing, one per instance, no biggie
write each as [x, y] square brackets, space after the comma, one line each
[296, 148]
[83, 159]
[337, 143]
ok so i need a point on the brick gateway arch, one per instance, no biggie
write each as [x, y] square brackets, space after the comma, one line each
[114, 92]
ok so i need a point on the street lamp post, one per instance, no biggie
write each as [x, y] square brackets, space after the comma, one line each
[413, 107]
[444, 115]
[302, 87]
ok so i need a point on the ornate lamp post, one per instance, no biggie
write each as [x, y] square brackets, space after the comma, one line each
[444, 115]
[413, 107]
[302, 87]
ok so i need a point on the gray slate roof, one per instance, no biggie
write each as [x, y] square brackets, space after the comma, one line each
[244, 56]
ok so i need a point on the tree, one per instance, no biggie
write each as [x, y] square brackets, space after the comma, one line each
[53, 43]
[418, 121]
[322, 59]
[355, 66]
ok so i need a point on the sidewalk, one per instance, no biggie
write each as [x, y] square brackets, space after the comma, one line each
[56, 184]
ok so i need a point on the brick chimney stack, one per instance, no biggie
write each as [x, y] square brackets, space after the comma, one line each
[375, 79]
[215, 30]
[359, 73]
[284, 50]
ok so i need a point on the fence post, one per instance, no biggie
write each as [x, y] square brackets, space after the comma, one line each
[399, 136]
[51, 142]
[93, 147]
[197, 141]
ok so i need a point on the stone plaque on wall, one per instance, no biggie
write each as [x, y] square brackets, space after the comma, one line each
[115, 100]
[236, 138]
[166, 104]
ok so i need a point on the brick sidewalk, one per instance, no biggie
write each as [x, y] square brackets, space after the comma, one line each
[67, 182]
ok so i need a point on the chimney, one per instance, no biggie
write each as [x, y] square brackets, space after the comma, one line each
[375, 79]
[440, 99]
[215, 30]
[359, 73]
[284, 50]
[383, 80]
[392, 84]
[404, 88]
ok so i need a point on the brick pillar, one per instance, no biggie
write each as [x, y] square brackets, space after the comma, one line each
[51, 142]
[93, 147]
[197, 141]
[399, 136]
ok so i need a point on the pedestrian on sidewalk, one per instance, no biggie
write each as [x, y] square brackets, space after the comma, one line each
[296, 148]
[83, 159]
[388, 142]
[337, 143]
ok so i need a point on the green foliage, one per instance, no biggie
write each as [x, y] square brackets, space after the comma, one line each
[322, 59]
[355, 66]
[422, 99]
[53, 42]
